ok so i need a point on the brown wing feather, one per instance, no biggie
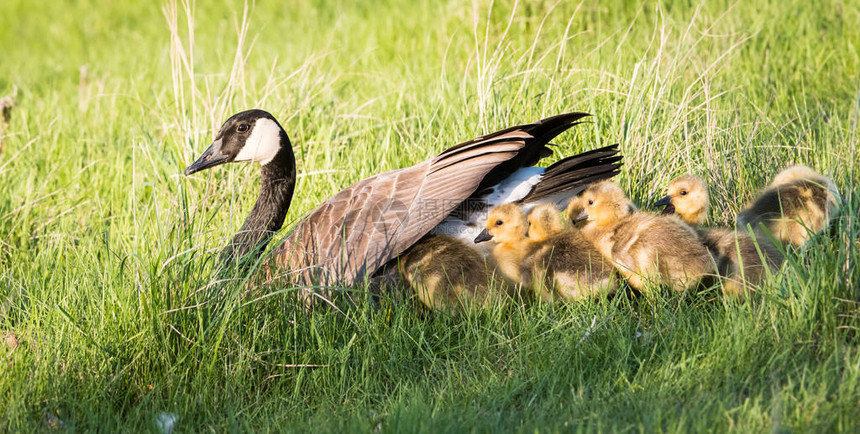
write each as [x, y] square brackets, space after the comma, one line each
[364, 226]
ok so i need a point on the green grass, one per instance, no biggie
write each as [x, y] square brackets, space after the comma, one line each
[106, 251]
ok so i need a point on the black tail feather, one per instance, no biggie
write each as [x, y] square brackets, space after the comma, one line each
[575, 172]
[537, 148]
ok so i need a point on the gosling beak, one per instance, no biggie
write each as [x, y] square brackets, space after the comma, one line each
[211, 157]
[667, 203]
[583, 215]
[664, 201]
[483, 236]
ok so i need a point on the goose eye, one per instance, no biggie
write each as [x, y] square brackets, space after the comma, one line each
[242, 128]
[590, 202]
[683, 192]
[499, 222]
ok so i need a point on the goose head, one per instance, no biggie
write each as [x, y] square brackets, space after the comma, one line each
[602, 204]
[252, 135]
[505, 224]
[544, 221]
[686, 196]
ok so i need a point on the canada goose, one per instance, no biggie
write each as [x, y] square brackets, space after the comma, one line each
[446, 273]
[350, 236]
[739, 255]
[550, 260]
[799, 202]
[644, 247]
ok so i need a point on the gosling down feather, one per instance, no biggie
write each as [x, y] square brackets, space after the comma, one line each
[539, 253]
[744, 261]
[799, 203]
[643, 247]
[446, 273]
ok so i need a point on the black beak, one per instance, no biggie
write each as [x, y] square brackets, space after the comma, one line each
[667, 203]
[212, 156]
[581, 216]
[483, 236]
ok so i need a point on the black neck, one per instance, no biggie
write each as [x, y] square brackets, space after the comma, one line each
[270, 210]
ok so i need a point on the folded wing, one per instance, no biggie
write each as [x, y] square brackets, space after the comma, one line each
[362, 227]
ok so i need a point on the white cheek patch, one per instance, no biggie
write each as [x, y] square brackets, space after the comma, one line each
[263, 144]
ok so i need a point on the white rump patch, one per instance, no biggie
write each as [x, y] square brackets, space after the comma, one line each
[263, 144]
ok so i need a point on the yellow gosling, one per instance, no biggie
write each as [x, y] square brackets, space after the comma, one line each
[742, 260]
[447, 274]
[798, 204]
[643, 247]
[554, 262]
[544, 221]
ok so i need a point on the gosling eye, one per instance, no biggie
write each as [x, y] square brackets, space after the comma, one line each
[499, 222]
[242, 128]
[590, 202]
[683, 192]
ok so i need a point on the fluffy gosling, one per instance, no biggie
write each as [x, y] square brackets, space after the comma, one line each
[742, 260]
[554, 262]
[567, 261]
[799, 203]
[644, 247]
[446, 273]
[544, 222]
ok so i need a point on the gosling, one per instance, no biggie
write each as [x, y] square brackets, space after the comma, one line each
[645, 248]
[742, 260]
[544, 221]
[798, 204]
[447, 274]
[541, 254]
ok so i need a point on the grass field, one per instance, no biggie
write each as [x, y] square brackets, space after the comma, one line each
[107, 251]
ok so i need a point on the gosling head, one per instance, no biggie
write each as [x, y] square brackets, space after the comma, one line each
[252, 135]
[687, 196]
[603, 203]
[794, 173]
[544, 221]
[505, 224]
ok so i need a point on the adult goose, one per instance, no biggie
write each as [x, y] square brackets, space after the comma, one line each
[364, 226]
